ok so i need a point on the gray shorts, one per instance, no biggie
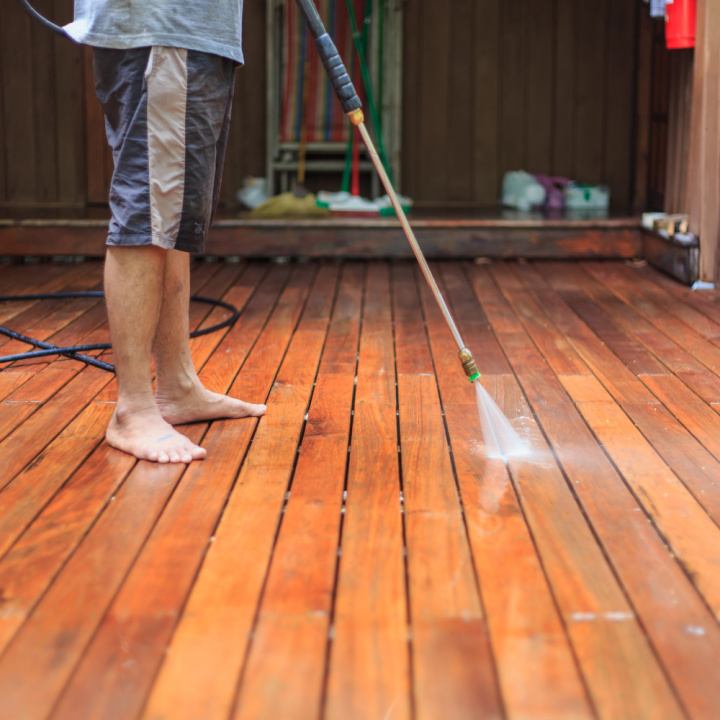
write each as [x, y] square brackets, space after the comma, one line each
[167, 116]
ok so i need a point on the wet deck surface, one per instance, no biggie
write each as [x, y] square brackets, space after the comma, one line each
[355, 553]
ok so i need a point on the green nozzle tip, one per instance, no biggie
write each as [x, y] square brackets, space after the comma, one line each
[474, 377]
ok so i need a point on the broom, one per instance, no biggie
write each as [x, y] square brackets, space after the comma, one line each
[300, 202]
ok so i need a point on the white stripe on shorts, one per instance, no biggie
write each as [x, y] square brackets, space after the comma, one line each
[166, 78]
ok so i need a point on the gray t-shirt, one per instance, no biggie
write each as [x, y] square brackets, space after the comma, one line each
[212, 26]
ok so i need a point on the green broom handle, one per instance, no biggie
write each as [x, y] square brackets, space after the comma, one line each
[348, 154]
[358, 41]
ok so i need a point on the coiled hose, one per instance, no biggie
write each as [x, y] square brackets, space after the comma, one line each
[76, 350]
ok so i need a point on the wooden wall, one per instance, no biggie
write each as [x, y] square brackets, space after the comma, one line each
[41, 106]
[54, 159]
[680, 87]
[539, 85]
[702, 188]
[489, 86]
[658, 119]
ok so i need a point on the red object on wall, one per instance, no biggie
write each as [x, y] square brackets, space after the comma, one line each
[680, 24]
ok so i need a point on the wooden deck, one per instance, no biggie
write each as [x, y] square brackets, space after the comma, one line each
[354, 554]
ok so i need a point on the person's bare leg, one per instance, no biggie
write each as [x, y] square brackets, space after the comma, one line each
[133, 290]
[180, 395]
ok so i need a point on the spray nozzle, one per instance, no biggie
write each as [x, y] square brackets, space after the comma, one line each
[469, 365]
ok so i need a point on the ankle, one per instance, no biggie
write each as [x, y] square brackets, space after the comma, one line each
[131, 404]
[175, 385]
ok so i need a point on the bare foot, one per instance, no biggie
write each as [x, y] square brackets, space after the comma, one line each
[144, 434]
[194, 403]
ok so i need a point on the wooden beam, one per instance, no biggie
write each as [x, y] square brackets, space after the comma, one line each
[352, 238]
[704, 174]
[643, 109]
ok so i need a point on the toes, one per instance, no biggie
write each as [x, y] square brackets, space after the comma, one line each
[163, 457]
[192, 451]
[243, 409]
[257, 410]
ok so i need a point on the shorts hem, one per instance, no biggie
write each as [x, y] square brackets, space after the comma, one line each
[154, 241]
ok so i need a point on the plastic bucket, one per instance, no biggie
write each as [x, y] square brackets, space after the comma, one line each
[680, 24]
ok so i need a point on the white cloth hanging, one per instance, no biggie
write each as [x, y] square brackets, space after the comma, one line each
[657, 8]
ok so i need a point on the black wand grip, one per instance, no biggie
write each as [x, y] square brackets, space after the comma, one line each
[341, 82]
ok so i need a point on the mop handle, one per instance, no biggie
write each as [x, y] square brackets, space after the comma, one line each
[330, 58]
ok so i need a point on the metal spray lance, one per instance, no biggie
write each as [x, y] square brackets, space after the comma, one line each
[352, 106]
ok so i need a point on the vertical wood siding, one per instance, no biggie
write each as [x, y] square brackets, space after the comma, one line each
[539, 85]
[54, 158]
[679, 119]
[41, 123]
[489, 86]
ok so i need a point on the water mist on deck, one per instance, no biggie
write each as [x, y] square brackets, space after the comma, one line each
[501, 439]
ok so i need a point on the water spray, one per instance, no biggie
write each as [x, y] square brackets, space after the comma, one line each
[352, 105]
[501, 439]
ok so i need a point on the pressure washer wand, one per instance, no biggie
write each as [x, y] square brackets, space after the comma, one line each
[352, 105]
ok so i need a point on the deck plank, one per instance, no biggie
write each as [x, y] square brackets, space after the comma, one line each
[356, 554]
[167, 565]
[680, 450]
[684, 523]
[285, 670]
[682, 363]
[369, 659]
[30, 280]
[59, 528]
[684, 445]
[688, 530]
[656, 585]
[99, 565]
[69, 426]
[697, 416]
[42, 318]
[536, 667]
[448, 625]
[704, 301]
[30, 438]
[690, 329]
[623, 676]
[215, 680]
[656, 300]
[12, 315]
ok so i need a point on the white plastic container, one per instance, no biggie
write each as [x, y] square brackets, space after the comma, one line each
[587, 197]
[522, 191]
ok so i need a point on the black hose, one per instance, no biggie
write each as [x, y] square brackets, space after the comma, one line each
[75, 350]
[35, 15]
